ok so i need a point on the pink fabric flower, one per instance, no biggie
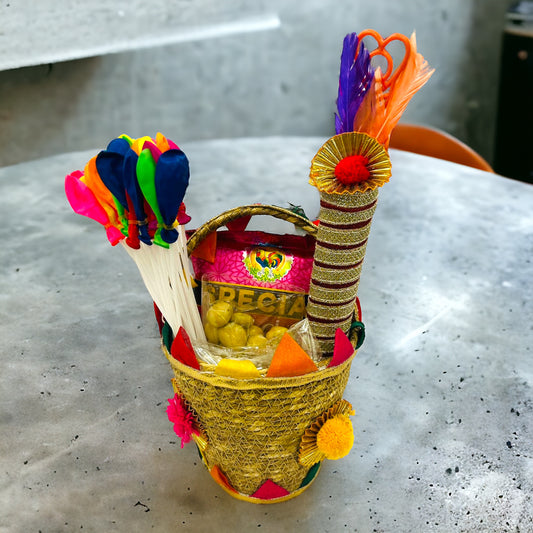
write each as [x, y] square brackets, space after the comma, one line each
[183, 419]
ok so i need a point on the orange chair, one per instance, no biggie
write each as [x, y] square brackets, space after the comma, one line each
[435, 143]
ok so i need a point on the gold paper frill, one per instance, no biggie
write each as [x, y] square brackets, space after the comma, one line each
[322, 174]
[310, 452]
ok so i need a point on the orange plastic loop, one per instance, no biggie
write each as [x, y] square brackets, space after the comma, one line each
[389, 77]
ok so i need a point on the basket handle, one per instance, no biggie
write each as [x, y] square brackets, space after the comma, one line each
[357, 331]
[247, 210]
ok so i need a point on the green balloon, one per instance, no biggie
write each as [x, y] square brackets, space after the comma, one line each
[146, 179]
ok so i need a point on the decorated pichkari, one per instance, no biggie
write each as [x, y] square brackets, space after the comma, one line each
[260, 333]
[135, 189]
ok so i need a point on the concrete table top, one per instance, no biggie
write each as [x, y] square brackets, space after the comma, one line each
[442, 386]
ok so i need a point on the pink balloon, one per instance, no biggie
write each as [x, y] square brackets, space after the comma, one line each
[83, 201]
[154, 150]
[172, 145]
[114, 236]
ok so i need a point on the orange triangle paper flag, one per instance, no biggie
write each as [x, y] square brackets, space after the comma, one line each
[221, 478]
[290, 360]
[207, 248]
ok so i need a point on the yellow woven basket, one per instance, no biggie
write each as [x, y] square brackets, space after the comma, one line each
[252, 429]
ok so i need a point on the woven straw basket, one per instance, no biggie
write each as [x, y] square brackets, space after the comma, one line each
[252, 428]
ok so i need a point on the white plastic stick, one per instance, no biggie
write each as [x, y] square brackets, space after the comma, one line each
[167, 277]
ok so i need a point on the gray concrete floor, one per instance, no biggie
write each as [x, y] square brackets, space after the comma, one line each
[441, 387]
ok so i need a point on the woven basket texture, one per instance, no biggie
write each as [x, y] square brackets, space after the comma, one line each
[254, 427]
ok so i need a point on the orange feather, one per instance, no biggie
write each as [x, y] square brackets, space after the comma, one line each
[386, 101]
[414, 75]
[371, 113]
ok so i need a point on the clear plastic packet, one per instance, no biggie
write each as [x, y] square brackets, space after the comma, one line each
[239, 315]
[260, 356]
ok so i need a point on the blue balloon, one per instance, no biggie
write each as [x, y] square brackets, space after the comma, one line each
[171, 181]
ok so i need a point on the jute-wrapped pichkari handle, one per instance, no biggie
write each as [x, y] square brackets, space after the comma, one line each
[347, 171]
[350, 167]
[340, 249]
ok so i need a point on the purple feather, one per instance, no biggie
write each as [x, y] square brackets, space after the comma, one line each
[355, 79]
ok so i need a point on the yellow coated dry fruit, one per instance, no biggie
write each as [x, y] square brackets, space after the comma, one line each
[255, 330]
[258, 341]
[219, 314]
[275, 332]
[243, 319]
[211, 333]
[232, 335]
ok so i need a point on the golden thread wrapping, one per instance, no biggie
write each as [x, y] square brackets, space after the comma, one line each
[254, 427]
[169, 227]
[327, 290]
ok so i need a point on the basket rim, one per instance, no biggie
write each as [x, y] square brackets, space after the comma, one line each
[257, 383]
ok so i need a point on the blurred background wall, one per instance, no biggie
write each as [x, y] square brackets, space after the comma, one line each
[74, 74]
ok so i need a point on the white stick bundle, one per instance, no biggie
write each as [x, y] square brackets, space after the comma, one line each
[167, 276]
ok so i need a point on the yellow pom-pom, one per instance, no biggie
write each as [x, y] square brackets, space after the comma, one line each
[335, 438]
